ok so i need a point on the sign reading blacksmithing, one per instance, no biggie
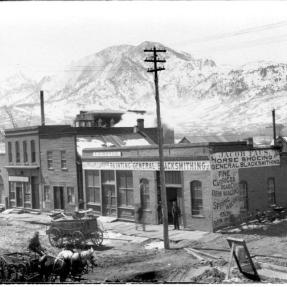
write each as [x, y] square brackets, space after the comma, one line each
[149, 165]
[244, 159]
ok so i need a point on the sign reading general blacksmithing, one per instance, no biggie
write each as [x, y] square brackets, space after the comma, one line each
[244, 159]
[149, 165]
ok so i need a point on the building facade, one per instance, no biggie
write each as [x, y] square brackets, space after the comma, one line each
[3, 175]
[43, 163]
[212, 183]
[41, 167]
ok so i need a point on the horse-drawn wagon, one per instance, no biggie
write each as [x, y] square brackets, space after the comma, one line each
[75, 231]
[19, 267]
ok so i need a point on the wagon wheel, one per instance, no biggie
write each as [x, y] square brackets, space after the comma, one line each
[13, 274]
[5, 274]
[78, 238]
[97, 237]
[55, 237]
[21, 271]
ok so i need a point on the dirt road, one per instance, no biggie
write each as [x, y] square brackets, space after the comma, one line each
[125, 258]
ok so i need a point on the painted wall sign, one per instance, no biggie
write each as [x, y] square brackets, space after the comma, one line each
[107, 154]
[19, 178]
[226, 199]
[244, 159]
[149, 165]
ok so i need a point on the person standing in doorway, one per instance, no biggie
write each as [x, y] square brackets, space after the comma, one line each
[139, 217]
[175, 214]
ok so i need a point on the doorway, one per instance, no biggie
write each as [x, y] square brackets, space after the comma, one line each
[35, 193]
[59, 197]
[171, 195]
[19, 195]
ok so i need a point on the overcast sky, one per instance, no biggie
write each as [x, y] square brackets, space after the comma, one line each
[40, 38]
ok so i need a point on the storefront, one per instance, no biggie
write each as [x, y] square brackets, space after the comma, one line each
[24, 190]
[212, 184]
[112, 179]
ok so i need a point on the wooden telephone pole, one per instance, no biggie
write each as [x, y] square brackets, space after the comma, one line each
[154, 59]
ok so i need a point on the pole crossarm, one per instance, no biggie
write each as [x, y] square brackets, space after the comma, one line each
[154, 49]
[157, 60]
[153, 70]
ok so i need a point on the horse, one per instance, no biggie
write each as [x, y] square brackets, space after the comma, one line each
[81, 261]
[52, 267]
[66, 263]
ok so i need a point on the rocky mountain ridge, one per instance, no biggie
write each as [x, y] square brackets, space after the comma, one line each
[197, 96]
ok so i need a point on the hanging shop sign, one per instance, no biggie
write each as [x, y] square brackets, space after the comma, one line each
[244, 159]
[149, 165]
[107, 154]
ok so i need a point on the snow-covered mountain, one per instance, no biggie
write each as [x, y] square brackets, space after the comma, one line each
[197, 96]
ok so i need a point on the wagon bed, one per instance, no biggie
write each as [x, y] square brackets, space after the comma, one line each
[75, 231]
[19, 267]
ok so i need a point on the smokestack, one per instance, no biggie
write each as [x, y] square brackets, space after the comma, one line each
[274, 126]
[140, 124]
[42, 108]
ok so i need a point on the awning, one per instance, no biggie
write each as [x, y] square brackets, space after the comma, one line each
[22, 166]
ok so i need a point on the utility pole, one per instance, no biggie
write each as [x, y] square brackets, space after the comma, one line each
[155, 60]
[274, 126]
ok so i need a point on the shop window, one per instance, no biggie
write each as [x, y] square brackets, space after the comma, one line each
[12, 194]
[1, 189]
[33, 151]
[172, 177]
[144, 193]
[243, 192]
[109, 192]
[108, 177]
[27, 195]
[271, 190]
[17, 150]
[25, 154]
[93, 186]
[46, 193]
[126, 192]
[50, 159]
[10, 157]
[63, 160]
[196, 198]
[70, 194]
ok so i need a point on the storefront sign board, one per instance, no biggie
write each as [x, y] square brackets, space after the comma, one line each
[107, 154]
[244, 159]
[225, 196]
[19, 178]
[149, 165]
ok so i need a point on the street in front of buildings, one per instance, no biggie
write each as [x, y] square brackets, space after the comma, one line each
[130, 255]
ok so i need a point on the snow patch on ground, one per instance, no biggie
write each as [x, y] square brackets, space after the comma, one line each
[155, 245]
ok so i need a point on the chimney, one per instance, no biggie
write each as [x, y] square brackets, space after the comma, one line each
[42, 108]
[140, 124]
[274, 126]
[249, 142]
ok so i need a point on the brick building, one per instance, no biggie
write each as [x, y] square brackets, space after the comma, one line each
[41, 167]
[43, 163]
[213, 183]
[3, 175]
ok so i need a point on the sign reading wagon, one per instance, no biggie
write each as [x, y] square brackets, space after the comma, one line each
[226, 199]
